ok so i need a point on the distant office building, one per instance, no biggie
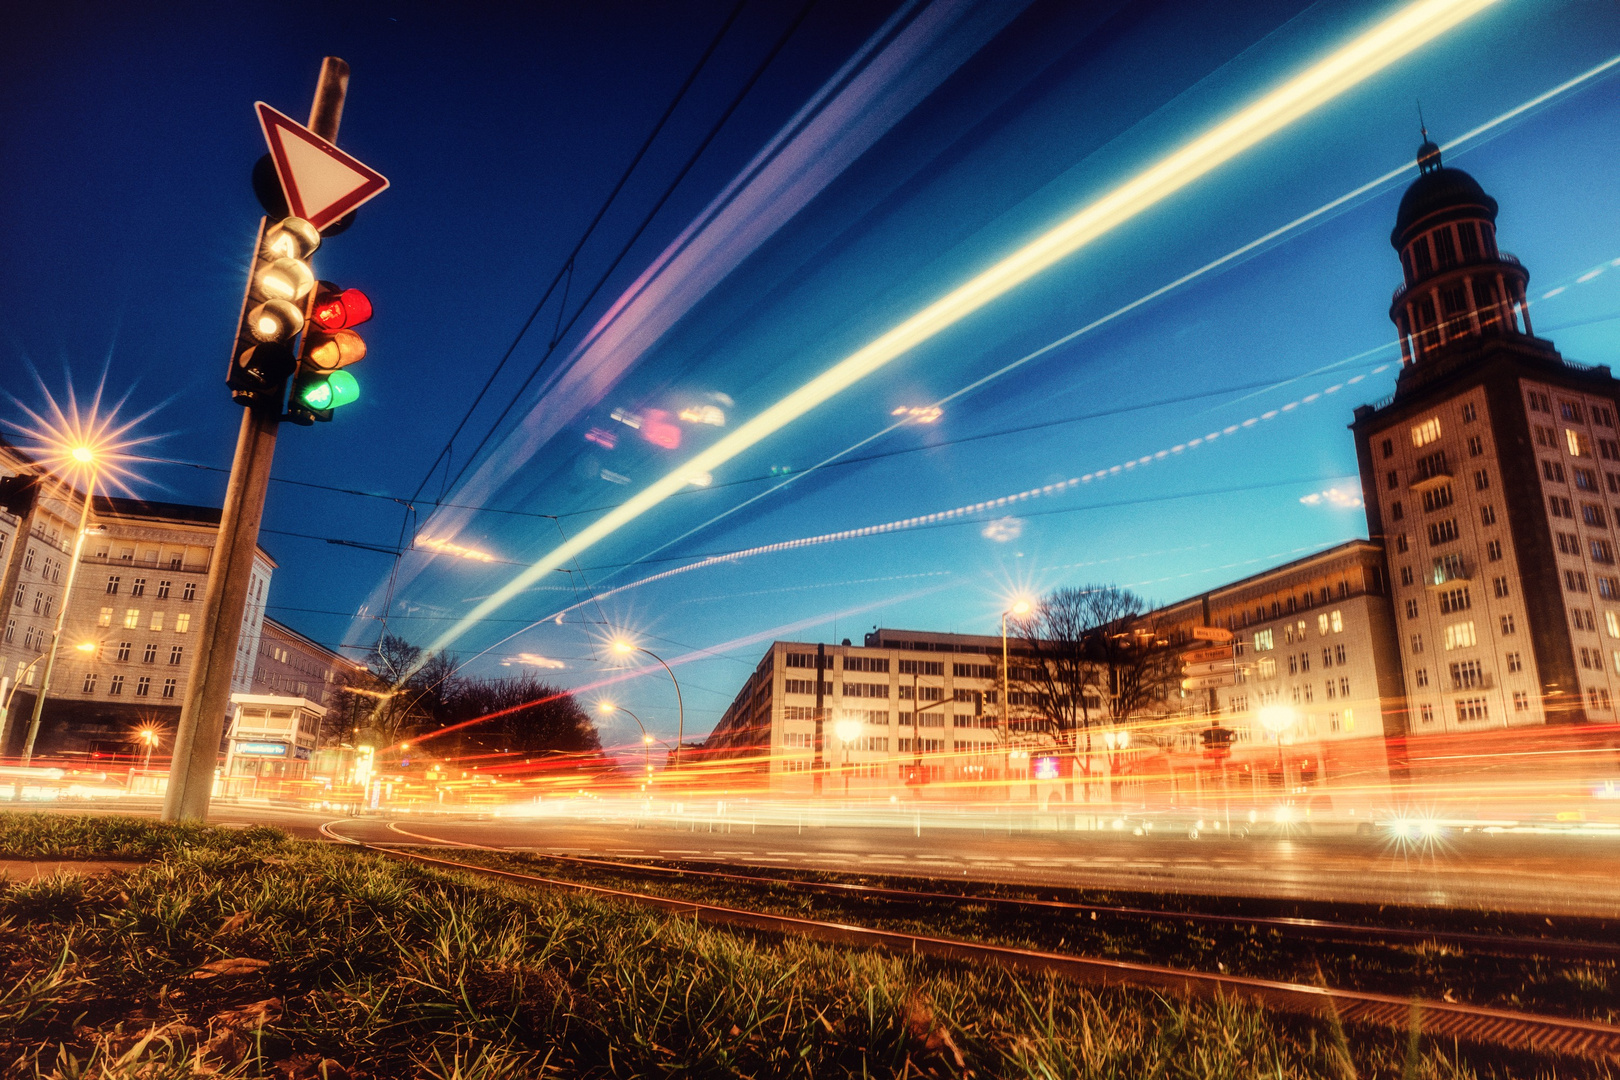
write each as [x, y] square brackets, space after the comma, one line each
[293, 665]
[1492, 477]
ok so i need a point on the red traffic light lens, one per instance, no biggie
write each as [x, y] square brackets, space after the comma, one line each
[338, 309]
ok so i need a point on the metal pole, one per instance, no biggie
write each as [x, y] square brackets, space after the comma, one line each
[818, 760]
[680, 709]
[61, 620]
[208, 690]
[1006, 723]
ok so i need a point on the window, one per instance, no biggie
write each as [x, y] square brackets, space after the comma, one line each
[1471, 709]
[1602, 551]
[1394, 480]
[1493, 550]
[143, 685]
[1521, 701]
[1400, 544]
[1262, 641]
[123, 649]
[972, 671]
[1443, 532]
[150, 654]
[1460, 635]
[1591, 658]
[168, 687]
[1552, 472]
[1476, 446]
[132, 618]
[1575, 581]
[1344, 688]
[175, 652]
[1426, 713]
[1507, 626]
[163, 590]
[1487, 515]
[182, 622]
[89, 683]
[793, 686]
[1601, 416]
[866, 690]
[1539, 402]
[1266, 668]
[1612, 480]
[1417, 643]
[1582, 619]
[1336, 619]
[922, 667]
[116, 685]
[1396, 511]
[1594, 516]
[1338, 654]
[1432, 465]
[1576, 443]
[1569, 411]
[105, 618]
[878, 664]
[112, 585]
[1469, 415]
[1427, 432]
[1406, 575]
[1568, 543]
[1293, 665]
[157, 620]
[1482, 480]
[1545, 436]
[1420, 677]
[1608, 449]
[1330, 690]
[1389, 448]
[1411, 609]
[1466, 674]
[1499, 586]
[1454, 600]
[1585, 479]
[1559, 506]
[190, 591]
[1612, 622]
[137, 587]
[11, 629]
[1437, 498]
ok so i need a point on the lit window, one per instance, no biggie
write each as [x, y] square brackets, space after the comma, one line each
[1576, 443]
[1338, 622]
[1426, 432]
[1460, 635]
[105, 618]
[182, 622]
[1262, 640]
[157, 620]
[132, 618]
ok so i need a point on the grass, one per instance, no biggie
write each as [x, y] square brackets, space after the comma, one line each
[1589, 990]
[248, 954]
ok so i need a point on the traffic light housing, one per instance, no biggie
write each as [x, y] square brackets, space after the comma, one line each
[280, 284]
[330, 346]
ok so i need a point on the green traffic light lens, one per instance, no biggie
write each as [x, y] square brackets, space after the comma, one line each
[338, 388]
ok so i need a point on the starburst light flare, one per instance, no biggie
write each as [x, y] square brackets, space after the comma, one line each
[77, 442]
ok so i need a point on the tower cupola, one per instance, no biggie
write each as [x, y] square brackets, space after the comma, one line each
[1458, 286]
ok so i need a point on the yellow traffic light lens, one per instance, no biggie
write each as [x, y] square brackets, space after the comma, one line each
[285, 279]
[338, 350]
[275, 320]
[292, 238]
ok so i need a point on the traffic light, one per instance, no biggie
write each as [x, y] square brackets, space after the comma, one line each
[272, 310]
[330, 346]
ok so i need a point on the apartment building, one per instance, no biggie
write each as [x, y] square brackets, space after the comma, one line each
[1492, 477]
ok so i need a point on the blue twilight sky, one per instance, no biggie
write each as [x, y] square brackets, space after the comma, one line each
[931, 138]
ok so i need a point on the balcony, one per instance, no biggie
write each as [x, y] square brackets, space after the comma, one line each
[1482, 681]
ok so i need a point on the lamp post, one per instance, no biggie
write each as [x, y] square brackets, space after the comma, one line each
[149, 737]
[1019, 607]
[1117, 741]
[646, 739]
[1278, 719]
[8, 691]
[848, 729]
[625, 648]
[85, 458]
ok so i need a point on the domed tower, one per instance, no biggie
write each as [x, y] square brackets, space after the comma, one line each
[1492, 478]
[1457, 286]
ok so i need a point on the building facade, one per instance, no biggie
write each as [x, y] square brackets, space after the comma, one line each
[1492, 478]
[127, 644]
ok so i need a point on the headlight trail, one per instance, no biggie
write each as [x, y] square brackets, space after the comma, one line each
[1388, 41]
[1214, 264]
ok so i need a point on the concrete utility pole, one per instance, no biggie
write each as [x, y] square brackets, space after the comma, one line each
[208, 691]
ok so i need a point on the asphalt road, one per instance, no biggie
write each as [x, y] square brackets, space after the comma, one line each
[1553, 875]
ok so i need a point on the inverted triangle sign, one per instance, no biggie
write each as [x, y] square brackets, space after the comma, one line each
[321, 182]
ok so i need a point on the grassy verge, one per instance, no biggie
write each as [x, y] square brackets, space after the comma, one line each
[1589, 990]
[247, 954]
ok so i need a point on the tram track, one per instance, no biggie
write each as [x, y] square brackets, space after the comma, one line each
[1481, 1025]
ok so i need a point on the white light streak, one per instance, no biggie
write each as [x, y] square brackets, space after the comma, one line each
[1388, 41]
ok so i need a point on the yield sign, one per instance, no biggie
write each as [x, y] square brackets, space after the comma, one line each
[321, 182]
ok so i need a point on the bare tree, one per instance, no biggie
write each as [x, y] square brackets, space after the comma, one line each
[523, 715]
[397, 701]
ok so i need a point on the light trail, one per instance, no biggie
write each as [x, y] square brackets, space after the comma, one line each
[1388, 41]
[1192, 275]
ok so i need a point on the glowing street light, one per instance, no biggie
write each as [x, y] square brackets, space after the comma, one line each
[625, 647]
[848, 729]
[607, 707]
[1278, 719]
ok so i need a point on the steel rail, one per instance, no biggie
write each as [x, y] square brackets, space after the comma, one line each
[1309, 929]
[1470, 1023]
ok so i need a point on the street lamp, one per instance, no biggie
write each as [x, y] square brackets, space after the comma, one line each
[625, 647]
[1278, 719]
[149, 737]
[848, 729]
[607, 707]
[84, 456]
[1019, 606]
